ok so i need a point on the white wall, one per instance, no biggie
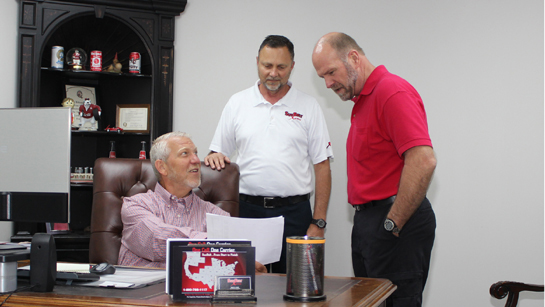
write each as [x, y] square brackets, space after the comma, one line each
[8, 73]
[479, 68]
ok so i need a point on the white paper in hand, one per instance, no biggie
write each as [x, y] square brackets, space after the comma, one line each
[265, 233]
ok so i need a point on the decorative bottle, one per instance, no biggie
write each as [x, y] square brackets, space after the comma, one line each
[112, 149]
[142, 155]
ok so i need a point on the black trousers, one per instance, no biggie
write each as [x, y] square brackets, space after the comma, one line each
[297, 219]
[377, 253]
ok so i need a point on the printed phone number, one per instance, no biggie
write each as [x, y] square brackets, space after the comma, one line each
[194, 289]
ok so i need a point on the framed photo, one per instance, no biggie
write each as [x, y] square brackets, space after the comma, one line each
[57, 228]
[79, 94]
[133, 117]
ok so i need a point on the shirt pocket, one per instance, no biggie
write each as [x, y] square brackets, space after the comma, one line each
[359, 144]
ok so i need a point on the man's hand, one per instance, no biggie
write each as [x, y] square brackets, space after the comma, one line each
[216, 160]
[259, 268]
[315, 231]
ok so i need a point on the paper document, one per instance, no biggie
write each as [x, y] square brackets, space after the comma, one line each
[265, 233]
[127, 277]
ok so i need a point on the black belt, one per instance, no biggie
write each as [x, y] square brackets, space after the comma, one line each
[274, 202]
[387, 201]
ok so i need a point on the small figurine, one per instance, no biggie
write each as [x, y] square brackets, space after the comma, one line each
[115, 66]
[76, 60]
[88, 113]
[69, 103]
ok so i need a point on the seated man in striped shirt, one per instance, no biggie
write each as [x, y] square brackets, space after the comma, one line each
[172, 210]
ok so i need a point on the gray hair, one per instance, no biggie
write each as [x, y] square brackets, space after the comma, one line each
[160, 151]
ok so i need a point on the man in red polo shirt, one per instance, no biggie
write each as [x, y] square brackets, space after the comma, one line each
[390, 163]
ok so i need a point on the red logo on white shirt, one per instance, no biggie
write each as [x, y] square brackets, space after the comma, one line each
[294, 115]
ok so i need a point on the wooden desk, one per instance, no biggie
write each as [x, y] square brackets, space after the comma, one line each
[270, 288]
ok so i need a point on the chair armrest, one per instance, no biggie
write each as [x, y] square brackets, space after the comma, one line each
[502, 288]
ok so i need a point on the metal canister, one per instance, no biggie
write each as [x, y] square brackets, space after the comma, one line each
[57, 57]
[96, 60]
[305, 269]
[134, 62]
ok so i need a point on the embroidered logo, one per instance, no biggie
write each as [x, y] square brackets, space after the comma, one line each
[294, 115]
[328, 145]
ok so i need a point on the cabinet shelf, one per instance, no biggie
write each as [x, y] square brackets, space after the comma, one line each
[105, 133]
[86, 184]
[93, 75]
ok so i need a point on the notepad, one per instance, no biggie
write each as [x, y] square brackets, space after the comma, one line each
[73, 267]
[66, 267]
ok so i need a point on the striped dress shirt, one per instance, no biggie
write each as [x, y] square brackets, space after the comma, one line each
[149, 219]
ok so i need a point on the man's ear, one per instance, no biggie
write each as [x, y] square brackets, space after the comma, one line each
[161, 167]
[354, 56]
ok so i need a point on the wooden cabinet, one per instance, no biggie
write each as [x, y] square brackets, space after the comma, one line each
[113, 27]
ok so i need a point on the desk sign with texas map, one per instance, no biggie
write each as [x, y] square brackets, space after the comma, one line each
[193, 265]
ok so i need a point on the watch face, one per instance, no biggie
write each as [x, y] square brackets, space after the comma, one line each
[389, 225]
[319, 222]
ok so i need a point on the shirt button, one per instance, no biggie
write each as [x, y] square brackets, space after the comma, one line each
[178, 215]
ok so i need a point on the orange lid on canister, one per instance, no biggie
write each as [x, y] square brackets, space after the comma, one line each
[305, 240]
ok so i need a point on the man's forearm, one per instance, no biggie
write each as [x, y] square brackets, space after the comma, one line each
[415, 179]
[322, 174]
[148, 240]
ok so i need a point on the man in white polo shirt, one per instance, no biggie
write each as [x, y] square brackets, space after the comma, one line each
[277, 133]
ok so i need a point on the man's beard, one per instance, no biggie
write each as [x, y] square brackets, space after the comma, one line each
[175, 176]
[274, 88]
[352, 77]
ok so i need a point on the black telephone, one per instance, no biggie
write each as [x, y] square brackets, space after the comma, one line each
[102, 269]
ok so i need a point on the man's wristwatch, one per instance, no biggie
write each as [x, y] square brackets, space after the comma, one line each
[390, 225]
[319, 222]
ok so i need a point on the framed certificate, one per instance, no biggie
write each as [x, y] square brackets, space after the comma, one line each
[133, 117]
